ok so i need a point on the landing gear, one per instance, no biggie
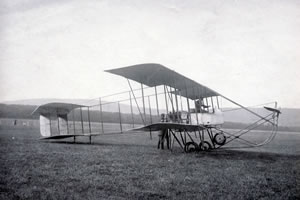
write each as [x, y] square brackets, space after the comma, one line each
[204, 146]
[213, 140]
[219, 139]
[190, 147]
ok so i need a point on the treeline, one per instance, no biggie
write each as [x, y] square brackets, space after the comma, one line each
[236, 125]
[111, 117]
[24, 112]
[17, 111]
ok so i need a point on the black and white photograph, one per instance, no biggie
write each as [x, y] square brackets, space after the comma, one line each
[161, 99]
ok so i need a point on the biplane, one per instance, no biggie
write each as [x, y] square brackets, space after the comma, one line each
[181, 110]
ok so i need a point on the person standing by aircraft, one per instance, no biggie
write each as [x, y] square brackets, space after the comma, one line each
[163, 134]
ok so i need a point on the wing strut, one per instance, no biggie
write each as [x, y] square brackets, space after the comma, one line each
[143, 99]
[136, 101]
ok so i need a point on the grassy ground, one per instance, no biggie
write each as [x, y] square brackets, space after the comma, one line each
[130, 167]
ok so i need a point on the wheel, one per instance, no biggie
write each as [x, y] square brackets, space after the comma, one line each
[204, 146]
[219, 139]
[190, 147]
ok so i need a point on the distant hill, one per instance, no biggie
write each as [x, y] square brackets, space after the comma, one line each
[36, 102]
[288, 117]
[107, 107]
[17, 111]
[24, 112]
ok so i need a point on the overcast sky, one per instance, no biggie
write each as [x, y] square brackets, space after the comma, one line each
[246, 50]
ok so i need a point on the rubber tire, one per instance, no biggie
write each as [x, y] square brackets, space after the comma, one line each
[205, 143]
[191, 147]
[218, 142]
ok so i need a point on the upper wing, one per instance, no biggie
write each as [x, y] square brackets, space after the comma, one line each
[169, 125]
[152, 74]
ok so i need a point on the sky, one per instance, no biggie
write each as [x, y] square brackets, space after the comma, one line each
[248, 51]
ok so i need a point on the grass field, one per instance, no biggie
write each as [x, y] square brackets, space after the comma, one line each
[130, 167]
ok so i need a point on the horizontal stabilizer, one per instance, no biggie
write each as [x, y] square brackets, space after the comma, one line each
[272, 109]
[55, 108]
